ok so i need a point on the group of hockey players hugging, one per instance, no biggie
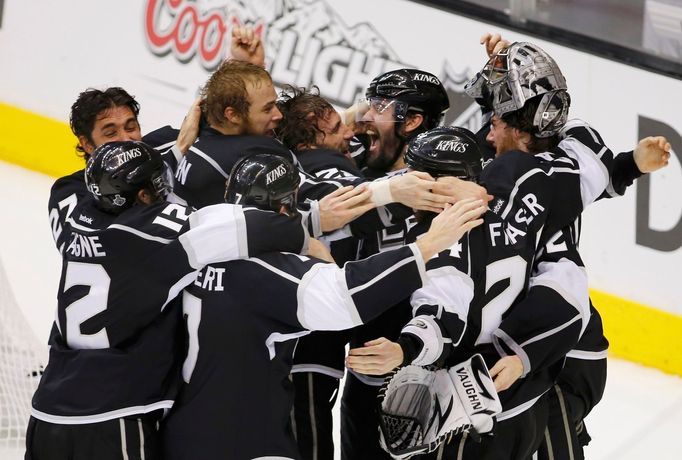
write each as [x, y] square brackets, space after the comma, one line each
[437, 266]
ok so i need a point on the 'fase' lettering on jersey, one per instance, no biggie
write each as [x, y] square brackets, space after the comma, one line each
[524, 215]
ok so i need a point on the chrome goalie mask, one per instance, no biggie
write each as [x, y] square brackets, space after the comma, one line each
[519, 73]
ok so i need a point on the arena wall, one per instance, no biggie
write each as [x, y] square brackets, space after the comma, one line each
[162, 51]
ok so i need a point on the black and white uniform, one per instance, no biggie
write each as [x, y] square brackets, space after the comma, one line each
[116, 344]
[201, 175]
[581, 382]
[558, 280]
[359, 416]
[478, 299]
[238, 398]
[319, 357]
[68, 191]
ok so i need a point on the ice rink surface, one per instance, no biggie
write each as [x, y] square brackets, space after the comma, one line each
[639, 418]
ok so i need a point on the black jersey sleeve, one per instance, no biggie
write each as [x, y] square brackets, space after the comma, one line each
[603, 174]
[439, 308]
[336, 298]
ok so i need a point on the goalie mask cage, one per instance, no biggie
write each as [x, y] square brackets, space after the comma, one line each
[21, 364]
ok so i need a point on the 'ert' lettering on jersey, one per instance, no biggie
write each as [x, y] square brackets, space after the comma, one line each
[210, 279]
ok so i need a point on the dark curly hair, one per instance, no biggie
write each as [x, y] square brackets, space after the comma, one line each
[301, 109]
[90, 103]
[522, 120]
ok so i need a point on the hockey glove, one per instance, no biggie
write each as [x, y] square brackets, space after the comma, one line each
[421, 408]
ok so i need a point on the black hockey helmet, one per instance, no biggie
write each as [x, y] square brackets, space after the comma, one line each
[265, 181]
[117, 171]
[415, 90]
[446, 151]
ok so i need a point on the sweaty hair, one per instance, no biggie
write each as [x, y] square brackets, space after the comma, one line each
[91, 103]
[522, 120]
[301, 110]
[226, 87]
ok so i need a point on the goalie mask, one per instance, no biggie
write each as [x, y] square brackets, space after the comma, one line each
[522, 72]
[518, 74]
[265, 181]
[117, 171]
[446, 151]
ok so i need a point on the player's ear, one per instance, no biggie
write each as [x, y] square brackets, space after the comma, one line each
[232, 116]
[144, 197]
[412, 122]
[521, 137]
[86, 145]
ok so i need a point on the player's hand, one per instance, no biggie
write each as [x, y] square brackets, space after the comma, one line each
[344, 205]
[414, 190]
[506, 371]
[494, 43]
[189, 130]
[318, 250]
[652, 153]
[458, 189]
[377, 357]
[247, 46]
[450, 225]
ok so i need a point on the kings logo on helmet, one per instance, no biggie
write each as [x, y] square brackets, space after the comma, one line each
[452, 146]
[275, 174]
[427, 78]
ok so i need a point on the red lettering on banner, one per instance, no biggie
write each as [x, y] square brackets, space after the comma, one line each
[179, 26]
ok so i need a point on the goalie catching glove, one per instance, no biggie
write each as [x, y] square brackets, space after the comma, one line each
[421, 408]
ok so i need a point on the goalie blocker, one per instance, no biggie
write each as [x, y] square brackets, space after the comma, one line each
[420, 408]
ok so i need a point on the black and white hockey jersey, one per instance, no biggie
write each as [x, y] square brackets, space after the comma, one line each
[325, 351]
[545, 321]
[67, 191]
[238, 399]
[114, 345]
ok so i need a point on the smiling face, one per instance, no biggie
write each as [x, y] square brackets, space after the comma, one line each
[263, 115]
[379, 124]
[334, 134]
[113, 124]
[501, 136]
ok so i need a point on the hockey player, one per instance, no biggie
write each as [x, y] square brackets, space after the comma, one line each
[476, 284]
[320, 139]
[114, 347]
[399, 105]
[224, 415]
[530, 129]
[100, 116]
